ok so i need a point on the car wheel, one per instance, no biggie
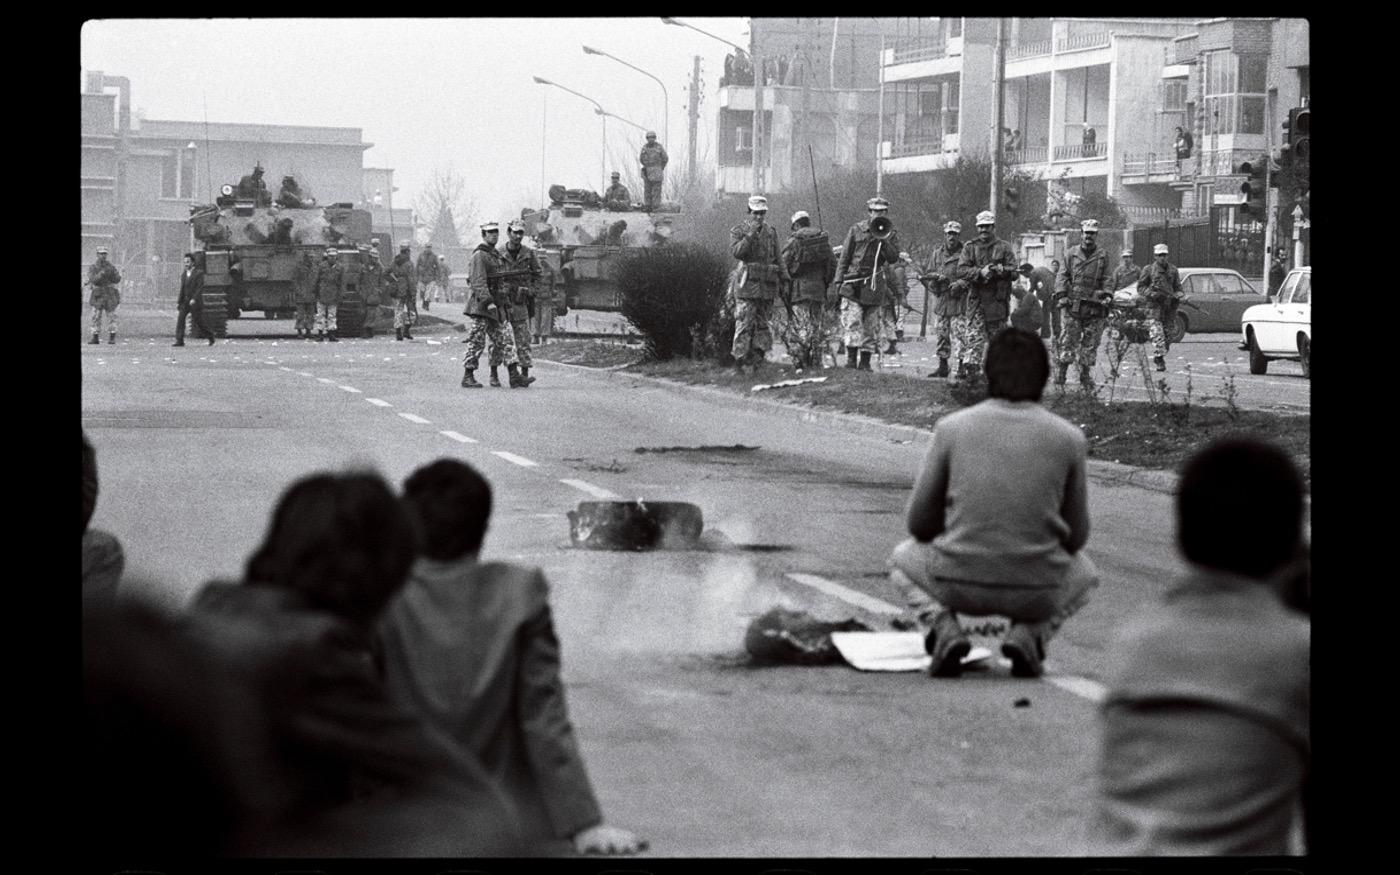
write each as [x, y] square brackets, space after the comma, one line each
[1257, 363]
[1178, 329]
[1305, 356]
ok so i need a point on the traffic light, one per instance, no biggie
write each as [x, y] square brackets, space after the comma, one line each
[1011, 199]
[1299, 128]
[1255, 197]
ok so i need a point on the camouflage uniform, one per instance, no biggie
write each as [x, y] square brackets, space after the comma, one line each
[896, 300]
[809, 261]
[762, 272]
[400, 277]
[330, 281]
[948, 302]
[1161, 284]
[1081, 284]
[103, 276]
[988, 298]
[653, 159]
[521, 293]
[427, 272]
[542, 325]
[863, 302]
[304, 280]
[485, 319]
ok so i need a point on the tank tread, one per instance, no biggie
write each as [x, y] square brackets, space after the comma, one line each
[214, 304]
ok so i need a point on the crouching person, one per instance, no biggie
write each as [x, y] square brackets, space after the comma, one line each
[999, 516]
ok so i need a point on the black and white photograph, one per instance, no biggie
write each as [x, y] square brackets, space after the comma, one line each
[491, 452]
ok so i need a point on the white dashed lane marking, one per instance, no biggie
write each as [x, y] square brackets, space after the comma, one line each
[379, 402]
[459, 438]
[415, 418]
[514, 459]
[351, 389]
[284, 368]
[1082, 687]
[305, 374]
[324, 380]
[595, 491]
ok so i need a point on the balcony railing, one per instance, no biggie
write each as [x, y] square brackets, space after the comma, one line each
[1029, 50]
[1070, 153]
[920, 50]
[1149, 164]
[1145, 215]
[920, 146]
[1082, 41]
[1027, 155]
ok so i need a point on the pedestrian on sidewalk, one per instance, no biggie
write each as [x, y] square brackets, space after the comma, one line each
[1205, 728]
[999, 516]
[189, 304]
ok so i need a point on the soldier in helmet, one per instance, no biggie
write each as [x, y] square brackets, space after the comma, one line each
[104, 298]
[252, 187]
[522, 292]
[401, 287]
[1080, 293]
[429, 286]
[809, 261]
[489, 314]
[290, 195]
[330, 285]
[653, 158]
[949, 297]
[304, 281]
[617, 197]
[988, 265]
[865, 256]
[1161, 284]
[761, 271]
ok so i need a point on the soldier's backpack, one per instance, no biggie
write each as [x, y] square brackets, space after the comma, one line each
[815, 249]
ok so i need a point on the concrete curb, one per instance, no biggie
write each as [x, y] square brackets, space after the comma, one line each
[1106, 472]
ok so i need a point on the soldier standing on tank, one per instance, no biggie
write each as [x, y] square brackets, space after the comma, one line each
[949, 298]
[103, 276]
[521, 292]
[809, 261]
[400, 277]
[329, 287]
[427, 275]
[988, 265]
[653, 158]
[1080, 293]
[488, 313]
[304, 280]
[1161, 284]
[862, 299]
[191, 284]
[253, 187]
[755, 244]
[617, 197]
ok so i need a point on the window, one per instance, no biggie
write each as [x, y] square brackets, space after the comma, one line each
[1234, 92]
[1302, 292]
[950, 107]
[1285, 292]
[1229, 283]
[177, 174]
[954, 28]
[1173, 95]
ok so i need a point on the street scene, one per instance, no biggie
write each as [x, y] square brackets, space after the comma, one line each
[470, 488]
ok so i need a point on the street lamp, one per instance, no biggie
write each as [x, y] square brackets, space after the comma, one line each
[757, 63]
[665, 97]
[604, 157]
[619, 118]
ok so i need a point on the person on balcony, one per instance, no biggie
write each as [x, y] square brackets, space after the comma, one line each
[1183, 144]
[1090, 137]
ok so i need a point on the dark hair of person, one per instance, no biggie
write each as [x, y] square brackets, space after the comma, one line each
[1017, 365]
[342, 540]
[450, 503]
[1239, 507]
[89, 481]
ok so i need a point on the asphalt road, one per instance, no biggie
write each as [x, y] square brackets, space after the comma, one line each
[685, 743]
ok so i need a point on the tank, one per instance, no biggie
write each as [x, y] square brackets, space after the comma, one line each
[251, 252]
[581, 241]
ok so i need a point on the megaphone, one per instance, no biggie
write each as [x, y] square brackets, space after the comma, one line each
[881, 228]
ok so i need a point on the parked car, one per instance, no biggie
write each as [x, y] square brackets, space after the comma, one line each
[1282, 329]
[1220, 297]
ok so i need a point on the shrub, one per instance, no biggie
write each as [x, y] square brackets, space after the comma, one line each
[673, 295]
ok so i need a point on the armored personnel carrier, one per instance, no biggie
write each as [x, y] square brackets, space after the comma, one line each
[250, 253]
[582, 240]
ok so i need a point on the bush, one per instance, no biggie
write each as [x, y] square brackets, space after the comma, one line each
[674, 296]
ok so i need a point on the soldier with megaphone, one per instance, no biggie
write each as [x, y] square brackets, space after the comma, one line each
[871, 246]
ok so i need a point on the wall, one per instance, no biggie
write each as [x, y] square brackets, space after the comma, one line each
[975, 113]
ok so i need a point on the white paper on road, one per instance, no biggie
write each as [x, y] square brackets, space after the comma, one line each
[891, 651]
[762, 386]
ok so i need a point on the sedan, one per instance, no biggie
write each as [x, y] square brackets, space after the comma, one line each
[1282, 329]
[1216, 299]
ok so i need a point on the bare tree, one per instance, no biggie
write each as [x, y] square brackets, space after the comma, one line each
[446, 207]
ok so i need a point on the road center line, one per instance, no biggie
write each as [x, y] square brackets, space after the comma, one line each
[351, 389]
[459, 438]
[415, 418]
[284, 368]
[1092, 690]
[595, 491]
[324, 380]
[305, 374]
[514, 459]
[378, 402]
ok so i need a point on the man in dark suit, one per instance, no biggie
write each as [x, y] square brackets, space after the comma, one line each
[471, 645]
[191, 282]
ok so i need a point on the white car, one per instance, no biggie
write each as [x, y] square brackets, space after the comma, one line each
[1281, 329]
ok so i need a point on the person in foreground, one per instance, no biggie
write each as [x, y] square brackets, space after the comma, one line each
[472, 645]
[999, 516]
[1205, 727]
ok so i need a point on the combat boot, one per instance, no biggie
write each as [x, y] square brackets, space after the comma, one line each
[1025, 650]
[1061, 369]
[469, 379]
[851, 357]
[1160, 362]
[516, 380]
[330, 335]
[942, 371]
[864, 360]
[95, 339]
[1086, 379]
[407, 335]
[112, 338]
[427, 305]
[495, 377]
[320, 336]
[891, 349]
[398, 334]
[525, 375]
[947, 644]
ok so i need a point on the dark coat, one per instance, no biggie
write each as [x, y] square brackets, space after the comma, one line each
[763, 267]
[858, 254]
[1081, 280]
[993, 294]
[400, 277]
[483, 277]
[305, 279]
[521, 291]
[104, 276]
[949, 292]
[810, 262]
[330, 283]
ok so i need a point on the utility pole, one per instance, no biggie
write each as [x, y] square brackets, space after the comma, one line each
[694, 115]
[880, 124]
[999, 88]
[758, 132]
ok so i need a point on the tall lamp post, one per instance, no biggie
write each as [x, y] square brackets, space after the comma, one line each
[665, 97]
[757, 95]
[604, 156]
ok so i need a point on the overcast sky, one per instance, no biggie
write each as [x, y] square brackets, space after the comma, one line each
[434, 91]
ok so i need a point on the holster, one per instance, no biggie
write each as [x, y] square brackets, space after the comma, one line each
[1083, 308]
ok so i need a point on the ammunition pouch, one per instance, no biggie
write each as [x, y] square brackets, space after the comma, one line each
[1083, 308]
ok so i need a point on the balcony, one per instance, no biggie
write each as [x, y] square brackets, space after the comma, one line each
[918, 50]
[1082, 42]
[916, 146]
[1146, 215]
[1030, 50]
[1080, 151]
[1027, 155]
[1149, 167]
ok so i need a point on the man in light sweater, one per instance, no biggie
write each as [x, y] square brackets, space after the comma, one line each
[999, 516]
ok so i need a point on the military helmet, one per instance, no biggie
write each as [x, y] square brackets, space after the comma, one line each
[952, 228]
[651, 135]
[1089, 225]
[986, 217]
[800, 214]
